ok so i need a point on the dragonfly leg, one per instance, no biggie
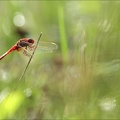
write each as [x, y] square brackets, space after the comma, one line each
[31, 47]
[26, 52]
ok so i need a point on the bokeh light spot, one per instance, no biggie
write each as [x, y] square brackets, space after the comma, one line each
[19, 20]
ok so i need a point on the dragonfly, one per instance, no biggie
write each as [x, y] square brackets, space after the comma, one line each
[27, 44]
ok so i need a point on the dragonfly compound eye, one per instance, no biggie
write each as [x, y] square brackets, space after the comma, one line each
[30, 40]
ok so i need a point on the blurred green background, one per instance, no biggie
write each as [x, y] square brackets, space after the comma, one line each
[79, 80]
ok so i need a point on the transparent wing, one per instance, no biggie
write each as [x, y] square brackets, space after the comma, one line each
[43, 47]
[46, 47]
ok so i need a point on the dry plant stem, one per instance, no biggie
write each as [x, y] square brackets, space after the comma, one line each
[26, 65]
[30, 59]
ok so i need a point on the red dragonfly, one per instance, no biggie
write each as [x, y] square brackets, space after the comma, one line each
[27, 44]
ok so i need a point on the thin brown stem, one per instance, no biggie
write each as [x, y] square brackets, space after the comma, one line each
[26, 65]
[29, 60]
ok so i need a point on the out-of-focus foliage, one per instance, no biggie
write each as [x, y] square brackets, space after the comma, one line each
[79, 80]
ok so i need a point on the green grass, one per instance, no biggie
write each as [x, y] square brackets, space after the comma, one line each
[63, 38]
[79, 80]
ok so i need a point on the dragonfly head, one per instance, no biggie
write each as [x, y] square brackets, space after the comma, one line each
[31, 40]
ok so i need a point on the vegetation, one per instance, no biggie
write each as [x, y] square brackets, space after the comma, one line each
[79, 80]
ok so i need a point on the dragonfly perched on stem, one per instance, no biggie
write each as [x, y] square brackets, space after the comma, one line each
[27, 44]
